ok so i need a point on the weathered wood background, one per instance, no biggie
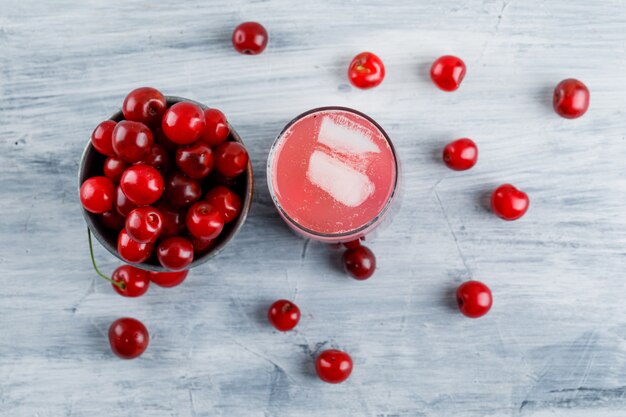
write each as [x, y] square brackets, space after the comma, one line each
[555, 341]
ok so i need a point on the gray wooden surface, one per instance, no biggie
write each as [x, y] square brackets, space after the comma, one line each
[554, 343]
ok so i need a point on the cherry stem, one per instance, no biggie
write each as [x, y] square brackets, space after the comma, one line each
[119, 285]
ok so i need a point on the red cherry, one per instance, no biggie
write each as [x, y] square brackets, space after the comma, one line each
[173, 220]
[131, 140]
[168, 279]
[200, 246]
[122, 204]
[195, 160]
[182, 191]
[509, 203]
[113, 168]
[101, 138]
[225, 201]
[134, 280]
[96, 194]
[112, 220]
[132, 251]
[571, 98]
[145, 105]
[359, 262]
[157, 157]
[474, 299]
[250, 38]
[175, 253]
[284, 315]
[231, 159]
[144, 224]
[333, 366]
[353, 244]
[217, 129]
[447, 72]
[142, 184]
[204, 221]
[366, 70]
[461, 154]
[183, 123]
[128, 338]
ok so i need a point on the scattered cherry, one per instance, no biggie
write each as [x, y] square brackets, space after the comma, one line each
[173, 220]
[461, 154]
[204, 221]
[333, 366]
[97, 194]
[157, 157]
[168, 279]
[447, 72]
[145, 105]
[217, 129]
[144, 224]
[284, 315]
[183, 123]
[195, 160]
[128, 338]
[131, 140]
[142, 184]
[102, 139]
[359, 262]
[474, 299]
[250, 38]
[132, 251]
[509, 203]
[113, 168]
[175, 253]
[112, 220]
[123, 205]
[135, 281]
[225, 201]
[182, 191]
[366, 70]
[231, 159]
[571, 98]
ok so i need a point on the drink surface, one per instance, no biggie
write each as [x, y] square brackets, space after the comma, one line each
[332, 172]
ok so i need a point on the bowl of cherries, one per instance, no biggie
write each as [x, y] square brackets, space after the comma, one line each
[165, 183]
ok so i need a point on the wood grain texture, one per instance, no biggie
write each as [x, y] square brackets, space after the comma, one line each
[555, 341]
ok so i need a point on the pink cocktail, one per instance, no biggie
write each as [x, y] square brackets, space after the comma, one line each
[332, 174]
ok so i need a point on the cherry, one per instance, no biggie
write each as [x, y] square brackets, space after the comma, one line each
[204, 221]
[366, 70]
[225, 201]
[175, 253]
[461, 154]
[113, 168]
[447, 72]
[201, 246]
[182, 191]
[353, 244]
[217, 129]
[168, 279]
[122, 204]
[144, 224]
[183, 123]
[509, 203]
[474, 299]
[195, 160]
[132, 251]
[571, 98]
[101, 138]
[231, 159]
[157, 157]
[131, 140]
[142, 184]
[145, 105]
[333, 366]
[112, 220]
[284, 315]
[96, 194]
[134, 281]
[173, 220]
[250, 38]
[359, 262]
[128, 338]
